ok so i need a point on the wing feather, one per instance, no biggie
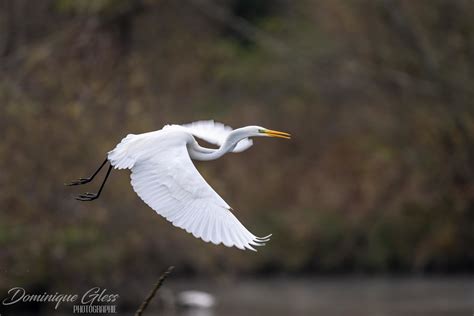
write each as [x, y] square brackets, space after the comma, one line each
[216, 133]
[169, 183]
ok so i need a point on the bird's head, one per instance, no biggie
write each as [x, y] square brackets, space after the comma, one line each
[258, 131]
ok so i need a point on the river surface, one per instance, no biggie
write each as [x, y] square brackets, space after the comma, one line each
[432, 296]
[352, 296]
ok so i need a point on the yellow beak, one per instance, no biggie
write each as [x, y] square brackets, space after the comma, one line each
[273, 133]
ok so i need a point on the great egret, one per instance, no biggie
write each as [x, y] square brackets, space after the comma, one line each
[164, 177]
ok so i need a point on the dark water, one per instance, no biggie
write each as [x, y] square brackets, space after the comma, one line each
[336, 296]
[438, 296]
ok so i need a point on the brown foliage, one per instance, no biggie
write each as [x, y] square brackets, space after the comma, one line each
[378, 96]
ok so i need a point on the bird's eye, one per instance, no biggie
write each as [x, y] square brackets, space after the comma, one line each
[261, 130]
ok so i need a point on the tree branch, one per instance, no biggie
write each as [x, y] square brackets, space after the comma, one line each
[150, 296]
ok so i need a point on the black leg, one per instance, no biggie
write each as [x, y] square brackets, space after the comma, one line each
[88, 196]
[87, 180]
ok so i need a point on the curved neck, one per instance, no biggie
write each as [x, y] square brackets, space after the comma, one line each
[202, 153]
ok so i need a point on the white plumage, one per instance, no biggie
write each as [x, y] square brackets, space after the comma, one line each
[164, 177]
[216, 133]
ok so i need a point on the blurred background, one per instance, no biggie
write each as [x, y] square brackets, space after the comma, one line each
[371, 204]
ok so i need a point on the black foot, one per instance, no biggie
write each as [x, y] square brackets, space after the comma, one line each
[88, 196]
[79, 181]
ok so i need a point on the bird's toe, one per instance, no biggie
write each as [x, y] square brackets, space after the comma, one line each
[88, 196]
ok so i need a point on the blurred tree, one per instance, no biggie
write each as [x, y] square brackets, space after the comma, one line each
[378, 95]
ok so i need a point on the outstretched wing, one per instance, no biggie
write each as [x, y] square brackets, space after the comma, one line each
[216, 133]
[170, 184]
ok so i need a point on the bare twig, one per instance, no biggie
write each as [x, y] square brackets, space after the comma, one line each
[150, 296]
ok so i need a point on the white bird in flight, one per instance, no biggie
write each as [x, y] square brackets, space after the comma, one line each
[164, 177]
